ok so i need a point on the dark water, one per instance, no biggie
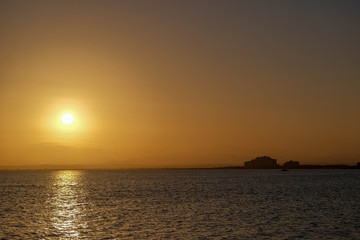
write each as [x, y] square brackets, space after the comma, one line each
[180, 204]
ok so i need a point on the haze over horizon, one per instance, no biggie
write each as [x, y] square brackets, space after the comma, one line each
[179, 83]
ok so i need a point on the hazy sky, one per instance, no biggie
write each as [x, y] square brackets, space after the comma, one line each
[179, 83]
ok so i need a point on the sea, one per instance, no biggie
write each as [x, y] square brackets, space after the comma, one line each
[180, 204]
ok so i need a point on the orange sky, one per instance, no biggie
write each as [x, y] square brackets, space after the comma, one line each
[178, 83]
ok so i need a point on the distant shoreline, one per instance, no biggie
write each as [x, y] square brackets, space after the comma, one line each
[301, 167]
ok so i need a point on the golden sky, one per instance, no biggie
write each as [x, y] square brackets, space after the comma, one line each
[179, 83]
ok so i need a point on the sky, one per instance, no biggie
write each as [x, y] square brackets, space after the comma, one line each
[179, 83]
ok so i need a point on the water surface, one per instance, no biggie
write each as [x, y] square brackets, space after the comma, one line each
[180, 204]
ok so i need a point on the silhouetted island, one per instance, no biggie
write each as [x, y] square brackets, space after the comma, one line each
[261, 162]
[266, 162]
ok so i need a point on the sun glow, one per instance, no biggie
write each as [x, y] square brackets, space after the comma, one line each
[67, 118]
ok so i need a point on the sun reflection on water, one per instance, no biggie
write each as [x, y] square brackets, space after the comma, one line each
[68, 204]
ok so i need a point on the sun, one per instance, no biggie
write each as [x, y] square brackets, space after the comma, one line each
[67, 118]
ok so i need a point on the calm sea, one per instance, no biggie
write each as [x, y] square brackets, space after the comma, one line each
[180, 204]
